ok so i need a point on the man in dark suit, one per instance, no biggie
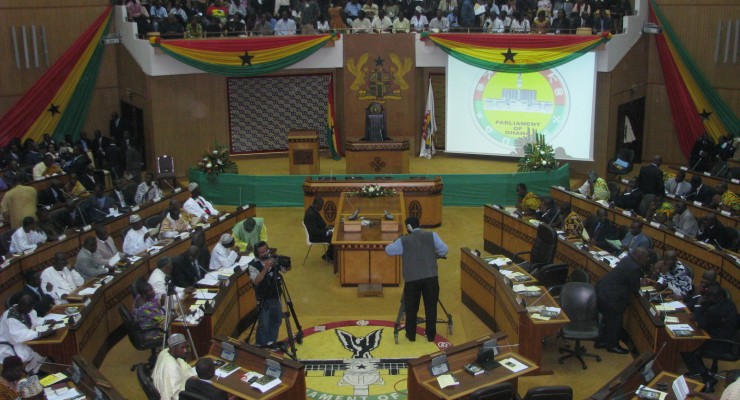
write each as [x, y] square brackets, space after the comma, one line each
[116, 127]
[651, 177]
[630, 199]
[52, 195]
[71, 217]
[98, 146]
[612, 294]
[549, 213]
[186, 270]
[600, 229]
[42, 301]
[202, 383]
[318, 232]
[700, 192]
[712, 231]
[98, 205]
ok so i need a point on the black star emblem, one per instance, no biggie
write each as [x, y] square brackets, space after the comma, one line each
[361, 366]
[509, 56]
[246, 58]
[379, 61]
[705, 114]
[54, 109]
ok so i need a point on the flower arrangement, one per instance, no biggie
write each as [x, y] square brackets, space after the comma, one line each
[538, 156]
[374, 190]
[216, 161]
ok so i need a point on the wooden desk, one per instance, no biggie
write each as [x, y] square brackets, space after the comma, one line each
[92, 380]
[668, 378]
[707, 178]
[627, 381]
[422, 197]
[485, 292]
[423, 386]
[41, 184]
[98, 328]
[360, 256]
[647, 331]
[250, 358]
[390, 157]
[303, 152]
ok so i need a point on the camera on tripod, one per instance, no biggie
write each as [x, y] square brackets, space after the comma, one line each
[281, 262]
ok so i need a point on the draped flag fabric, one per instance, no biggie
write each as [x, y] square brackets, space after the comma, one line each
[695, 105]
[58, 102]
[332, 136]
[243, 57]
[428, 126]
[528, 53]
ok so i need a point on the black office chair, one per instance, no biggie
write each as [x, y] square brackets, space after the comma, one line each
[543, 249]
[185, 395]
[501, 391]
[129, 193]
[578, 301]
[166, 170]
[613, 190]
[136, 335]
[5, 238]
[733, 238]
[553, 277]
[625, 155]
[13, 299]
[153, 221]
[145, 381]
[579, 275]
[375, 123]
[721, 350]
[549, 393]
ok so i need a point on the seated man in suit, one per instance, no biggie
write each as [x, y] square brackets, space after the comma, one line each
[46, 225]
[700, 192]
[600, 230]
[318, 231]
[86, 264]
[42, 301]
[98, 205]
[630, 199]
[712, 232]
[549, 213]
[106, 247]
[118, 196]
[186, 269]
[677, 185]
[52, 195]
[201, 384]
[683, 220]
[635, 238]
[71, 217]
[18, 326]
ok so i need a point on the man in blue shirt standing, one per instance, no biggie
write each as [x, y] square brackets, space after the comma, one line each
[419, 251]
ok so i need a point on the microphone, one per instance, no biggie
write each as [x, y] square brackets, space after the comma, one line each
[169, 184]
[553, 217]
[388, 217]
[543, 295]
[84, 223]
[718, 245]
[105, 215]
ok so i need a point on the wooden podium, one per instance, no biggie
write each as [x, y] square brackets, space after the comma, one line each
[303, 151]
[390, 157]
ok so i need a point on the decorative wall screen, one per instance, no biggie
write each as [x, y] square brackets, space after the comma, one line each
[262, 110]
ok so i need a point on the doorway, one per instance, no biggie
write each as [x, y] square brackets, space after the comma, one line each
[134, 119]
[631, 135]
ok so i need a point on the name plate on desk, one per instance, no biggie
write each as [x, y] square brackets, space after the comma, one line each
[245, 207]
[206, 226]
[5, 264]
[707, 173]
[735, 180]
[684, 169]
[86, 228]
[655, 224]
[62, 237]
[698, 203]
[679, 234]
[178, 190]
[626, 213]
[670, 196]
[625, 181]
[726, 213]
[135, 208]
[222, 218]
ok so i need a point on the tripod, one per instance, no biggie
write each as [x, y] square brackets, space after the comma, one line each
[397, 327]
[283, 296]
[173, 299]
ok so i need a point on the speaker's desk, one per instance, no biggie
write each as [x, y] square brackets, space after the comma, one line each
[423, 386]
[387, 157]
[486, 292]
[422, 197]
[360, 255]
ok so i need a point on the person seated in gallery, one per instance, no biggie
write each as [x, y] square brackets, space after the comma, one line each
[197, 206]
[147, 311]
[725, 199]
[601, 231]
[138, 239]
[549, 213]
[147, 191]
[27, 238]
[712, 232]
[631, 198]
[635, 238]
[61, 278]
[700, 192]
[225, 253]
[671, 275]
[660, 210]
[362, 24]
[594, 187]
[527, 202]
[18, 326]
[678, 186]
[87, 264]
[250, 232]
[47, 167]
[683, 220]
[173, 224]
[202, 385]
[702, 154]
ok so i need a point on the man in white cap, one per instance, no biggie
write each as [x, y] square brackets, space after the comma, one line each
[197, 206]
[138, 238]
[171, 371]
[225, 253]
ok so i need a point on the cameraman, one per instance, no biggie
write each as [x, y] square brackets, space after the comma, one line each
[268, 297]
[419, 251]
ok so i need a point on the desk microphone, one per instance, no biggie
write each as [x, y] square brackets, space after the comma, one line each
[552, 220]
[718, 245]
[105, 215]
[169, 184]
[61, 365]
[543, 295]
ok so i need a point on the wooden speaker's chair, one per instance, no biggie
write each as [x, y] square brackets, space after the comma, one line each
[375, 123]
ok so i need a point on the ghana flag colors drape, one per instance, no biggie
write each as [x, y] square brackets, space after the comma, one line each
[332, 136]
[695, 105]
[58, 103]
[515, 53]
[243, 57]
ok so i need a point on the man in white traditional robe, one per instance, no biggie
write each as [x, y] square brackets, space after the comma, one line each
[197, 206]
[171, 371]
[62, 278]
[224, 254]
[138, 238]
[17, 326]
[27, 237]
[147, 191]
[159, 277]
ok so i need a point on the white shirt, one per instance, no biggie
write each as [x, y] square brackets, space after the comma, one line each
[520, 27]
[442, 24]
[285, 27]
[419, 23]
[498, 26]
[134, 243]
[170, 374]
[222, 257]
[382, 25]
[64, 282]
[142, 196]
[322, 27]
[16, 333]
[121, 198]
[158, 280]
[362, 26]
[197, 207]
[22, 241]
